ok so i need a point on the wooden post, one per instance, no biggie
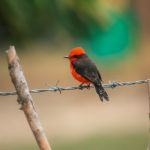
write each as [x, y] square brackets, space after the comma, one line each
[25, 99]
[148, 87]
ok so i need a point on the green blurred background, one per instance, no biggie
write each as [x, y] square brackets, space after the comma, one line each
[115, 34]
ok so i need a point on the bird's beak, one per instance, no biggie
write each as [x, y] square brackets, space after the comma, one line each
[66, 56]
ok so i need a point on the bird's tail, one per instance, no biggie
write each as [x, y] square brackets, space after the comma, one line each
[101, 92]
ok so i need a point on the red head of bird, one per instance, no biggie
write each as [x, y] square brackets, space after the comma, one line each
[77, 51]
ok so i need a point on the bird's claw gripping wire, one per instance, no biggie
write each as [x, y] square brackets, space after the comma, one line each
[81, 87]
[88, 86]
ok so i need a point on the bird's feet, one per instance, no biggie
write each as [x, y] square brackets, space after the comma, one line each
[81, 86]
[88, 86]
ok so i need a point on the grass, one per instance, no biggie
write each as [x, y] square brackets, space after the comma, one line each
[136, 141]
[107, 142]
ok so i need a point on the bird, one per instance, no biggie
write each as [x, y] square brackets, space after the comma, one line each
[85, 71]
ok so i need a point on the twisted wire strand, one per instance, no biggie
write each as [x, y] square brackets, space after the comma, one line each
[112, 84]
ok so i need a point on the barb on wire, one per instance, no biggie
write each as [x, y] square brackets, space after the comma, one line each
[112, 84]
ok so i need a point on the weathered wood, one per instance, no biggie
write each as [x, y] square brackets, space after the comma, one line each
[148, 87]
[25, 98]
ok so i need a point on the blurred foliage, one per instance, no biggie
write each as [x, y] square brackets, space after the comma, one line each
[21, 20]
[107, 29]
[31, 18]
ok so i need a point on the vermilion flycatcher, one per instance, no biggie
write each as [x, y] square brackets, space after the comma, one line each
[85, 71]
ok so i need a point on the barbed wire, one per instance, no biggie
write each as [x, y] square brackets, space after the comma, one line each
[112, 84]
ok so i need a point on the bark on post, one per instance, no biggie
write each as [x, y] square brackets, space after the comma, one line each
[25, 99]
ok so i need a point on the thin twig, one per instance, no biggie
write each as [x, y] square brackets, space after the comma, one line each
[112, 84]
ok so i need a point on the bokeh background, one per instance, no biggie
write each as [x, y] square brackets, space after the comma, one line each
[115, 34]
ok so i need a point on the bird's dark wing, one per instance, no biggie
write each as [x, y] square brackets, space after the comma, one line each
[85, 67]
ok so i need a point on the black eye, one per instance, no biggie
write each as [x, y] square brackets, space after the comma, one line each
[75, 56]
